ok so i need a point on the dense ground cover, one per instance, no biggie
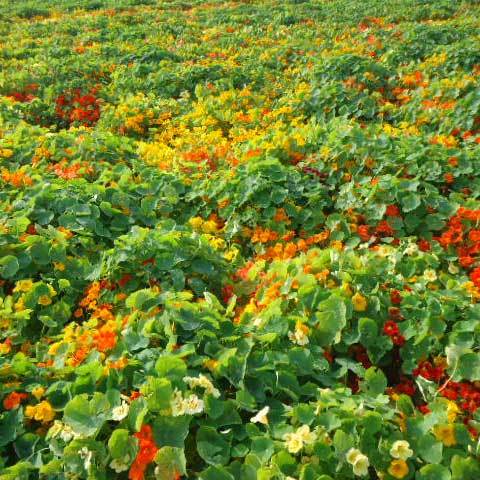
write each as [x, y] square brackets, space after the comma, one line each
[240, 240]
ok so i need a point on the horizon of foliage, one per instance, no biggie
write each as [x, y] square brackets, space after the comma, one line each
[240, 240]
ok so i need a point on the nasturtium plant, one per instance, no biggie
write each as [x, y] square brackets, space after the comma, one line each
[239, 240]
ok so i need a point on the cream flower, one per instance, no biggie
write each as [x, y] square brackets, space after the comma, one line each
[359, 462]
[177, 404]
[193, 405]
[401, 449]
[120, 464]
[261, 416]
[306, 435]
[411, 249]
[203, 382]
[293, 442]
[430, 275]
[120, 412]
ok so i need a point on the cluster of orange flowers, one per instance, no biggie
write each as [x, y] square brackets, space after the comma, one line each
[281, 251]
[17, 179]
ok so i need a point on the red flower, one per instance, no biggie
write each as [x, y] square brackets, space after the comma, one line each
[391, 328]
[393, 211]
[407, 387]
[384, 229]
[475, 276]
[424, 409]
[398, 340]
[364, 233]
[395, 297]
[428, 371]
[424, 245]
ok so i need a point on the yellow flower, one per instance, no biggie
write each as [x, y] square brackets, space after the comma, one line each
[44, 300]
[6, 153]
[446, 434]
[359, 302]
[23, 285]
[38, 392]
[20, 305]
[398, 469]
[231, 254]
[42, 412]
[452, 411]
[209, 227]
[196, 223]
[59, 266]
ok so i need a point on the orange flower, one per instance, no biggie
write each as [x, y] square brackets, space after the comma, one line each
[13, 400]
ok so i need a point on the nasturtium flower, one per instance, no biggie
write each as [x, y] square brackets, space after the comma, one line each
[23, 285]
[38, 392]
[42, 412]
[359, 302]
[293, 442]
[203, 382]
[359, 462]
[300, 334]
[398, 469]
[306, 434]
[430, 275]
[446, 434]
[401, 449]
[13, 400]
[120, 464]
[44, 300]
[120, 412]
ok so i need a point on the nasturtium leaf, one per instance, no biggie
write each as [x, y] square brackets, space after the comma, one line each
[212, 446]
[430, 449]
[374, 382]
[410, 202]
[464, 468]
[469, 366]
[216, 473]
[368, 330]
[331, 318]
[171, 431]
[8, 266]
[10, 426]
[434, 472]
[136, 413]
[118, 442]
[85, 416]
[171, 367]
[158, 393]
[263, 447]
[171, 462]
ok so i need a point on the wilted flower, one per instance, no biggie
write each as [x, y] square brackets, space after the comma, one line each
[261, 416]
[86, 455]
